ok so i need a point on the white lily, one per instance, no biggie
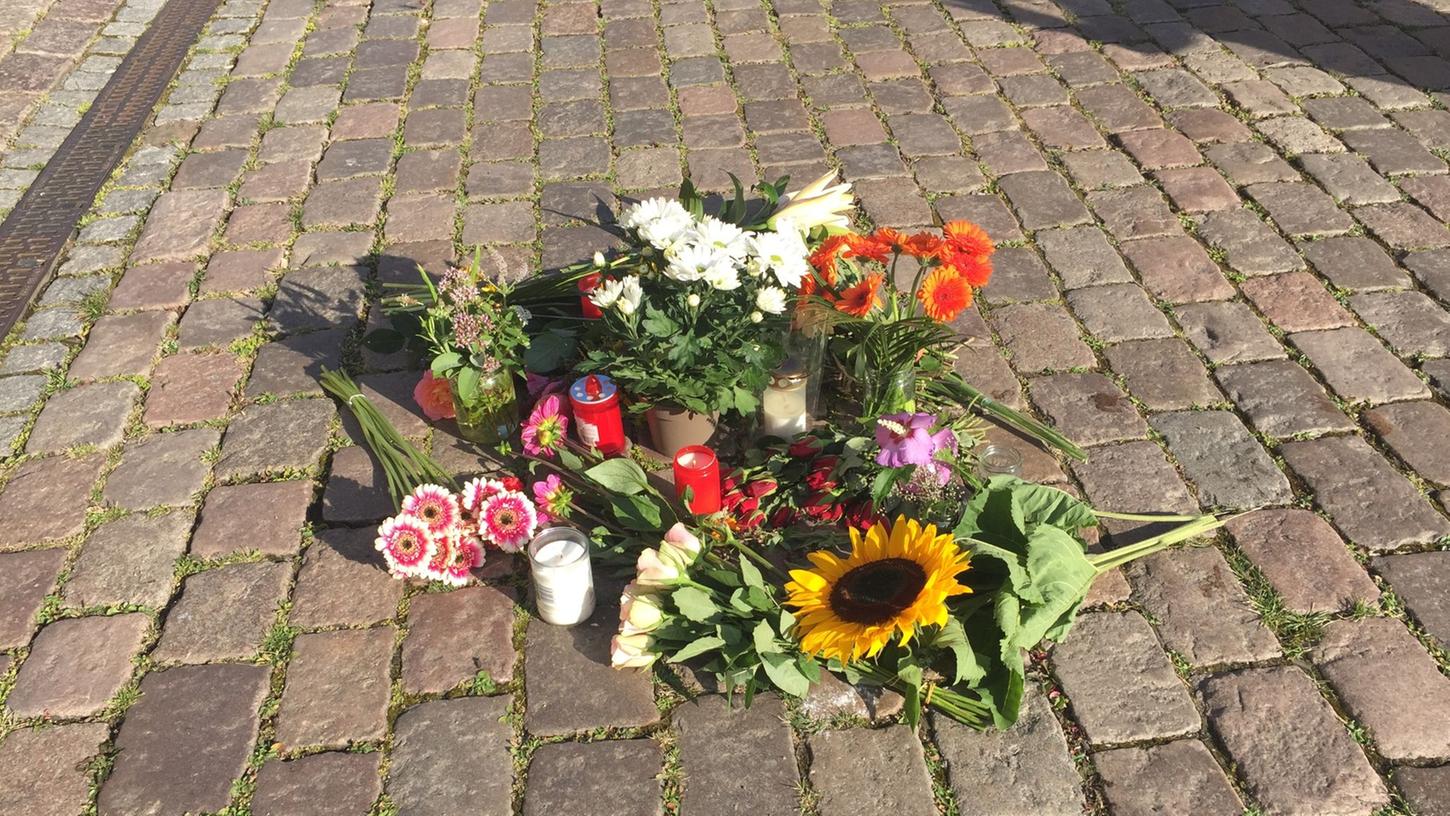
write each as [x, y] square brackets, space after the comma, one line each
[818, 204]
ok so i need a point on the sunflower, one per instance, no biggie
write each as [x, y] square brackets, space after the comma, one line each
[860, 299]
[895, 580]
[944, 294]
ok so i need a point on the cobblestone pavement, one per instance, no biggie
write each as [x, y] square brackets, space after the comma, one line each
[1224, 270]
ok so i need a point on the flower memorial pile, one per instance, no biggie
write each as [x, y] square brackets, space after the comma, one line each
[864, 538]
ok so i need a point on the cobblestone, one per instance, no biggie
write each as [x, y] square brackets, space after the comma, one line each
[1025, 769]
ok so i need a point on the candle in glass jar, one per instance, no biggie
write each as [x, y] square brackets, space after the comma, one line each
[563, 579]
[783, 408]
[697, 469]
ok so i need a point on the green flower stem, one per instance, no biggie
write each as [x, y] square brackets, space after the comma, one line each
[1142, 516]
[746, 551]
[951, 386]
[1123, 555]
[403, 464]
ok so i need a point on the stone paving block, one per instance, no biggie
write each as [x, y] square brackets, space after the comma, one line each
[984, 365]
[1393, 152]
[606, 778]
[571, 687]
[1176, 269]
[37, 357]
[21, 393]
[1018, 275]
[1201, 611]
[1099, 169]
[47, 499]
[1159, 148]
[1296, 136]
[1062, 127]
[1041, 337]
[1281, 399]
[276, 436]
[219, 322]
[265, 517]
[1117, 108]
[1388, 682]
[1431, 192]
[180, 225]
[223, 613]
[1418, 433]
[1120, 683]
[93, 414]
[1357, 367]
[1118, 312]
[1304, 559]
[763, 778]
[1425, 789]
[1296, 301]
[1209, 125]
[1355, 263]
[1009, 152]
[331, 666]
[1197, 189]
[1163, 374]
[1300, 209]
[1222, 460]
[1043, 199]
[985, 210]
[1349, 179]
[454, 636]
[1403, 226]
[1133, 477]
[27, 578]
[1371, 503]
[1175, 777]
[1134, 212]
[1290, 749]
[185, 741]
[153, 286]
[121, 345]
[55, 758]
[451, 756]
[129, 561]
[187, 388]
[1411, 322]
[1088, 408]
[881, 770]
[1227, 332]
[1420, 580]
[343, 582]
[1025, 769]
[1248, 163]
[318, 297]
[292, 365]
[330, 784]
[161, 470]
[77, 665]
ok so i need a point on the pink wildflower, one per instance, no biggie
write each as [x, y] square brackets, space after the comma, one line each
[552, 498]
[546, 428]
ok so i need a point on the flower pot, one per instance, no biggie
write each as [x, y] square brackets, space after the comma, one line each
[492, 414]
[672, 427]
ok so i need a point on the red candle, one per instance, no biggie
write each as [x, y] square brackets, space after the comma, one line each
[597, 418]
[697, 468]
[587, 284]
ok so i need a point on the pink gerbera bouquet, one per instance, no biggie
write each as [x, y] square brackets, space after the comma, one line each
[439, 536]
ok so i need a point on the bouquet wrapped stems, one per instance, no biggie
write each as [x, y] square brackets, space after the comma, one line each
[951, 387]
[405, 466]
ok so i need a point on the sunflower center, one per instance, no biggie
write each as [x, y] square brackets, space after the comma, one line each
[876, 592]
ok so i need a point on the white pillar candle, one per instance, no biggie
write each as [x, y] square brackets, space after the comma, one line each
[783, 410]
[563, 579]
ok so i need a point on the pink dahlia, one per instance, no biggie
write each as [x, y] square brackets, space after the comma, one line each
[436, 506]
[508, 520]
[552, 498]
[405, 543]
[546, 428]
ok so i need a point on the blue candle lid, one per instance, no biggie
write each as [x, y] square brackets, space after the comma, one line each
[579, 391]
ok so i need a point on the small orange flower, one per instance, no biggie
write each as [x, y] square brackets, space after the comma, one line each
[889, 238]
[975, 268]
[966, 237]
[922, 245]
[824, 258]
[860, 299]
[863, 246]
[944, 294]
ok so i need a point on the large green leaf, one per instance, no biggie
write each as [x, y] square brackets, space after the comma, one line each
[695, 603]
[697, 647]
[785, 673]
[621, 476]
[637, 513]
[954, 637]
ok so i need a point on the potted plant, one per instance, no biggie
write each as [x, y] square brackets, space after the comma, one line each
[694, 309]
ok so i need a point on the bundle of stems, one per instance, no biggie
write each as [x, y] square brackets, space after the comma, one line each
[950, 386]
[405, 466]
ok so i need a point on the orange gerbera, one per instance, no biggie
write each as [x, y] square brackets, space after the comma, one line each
[966, 237]
[824, 258]
[922, 245]
[975, 268]
[889, 238]
[864, 246]
[860, 299]
[944, 294]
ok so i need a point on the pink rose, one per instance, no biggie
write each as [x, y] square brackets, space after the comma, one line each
[434, 396]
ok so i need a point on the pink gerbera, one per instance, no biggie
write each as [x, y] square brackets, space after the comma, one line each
[477, 491]
[404, 542]
[439, 557]
[545, 430]
[508, 520]
[436, 506]
[552, 498]
[467, 554]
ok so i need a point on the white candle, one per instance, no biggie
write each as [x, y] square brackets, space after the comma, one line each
[783, 409]
[563, 579]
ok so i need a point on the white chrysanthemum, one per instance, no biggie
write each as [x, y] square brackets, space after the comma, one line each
[630, 295]
[689, 261]
[770, 299]
[659, 221]
[783, 252]
[606, 293]
[723, 275]
[726, 239]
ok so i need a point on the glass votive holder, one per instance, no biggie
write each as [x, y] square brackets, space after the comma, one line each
[999, 460]
[562, 576]
[698, 470]
[785, 405]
